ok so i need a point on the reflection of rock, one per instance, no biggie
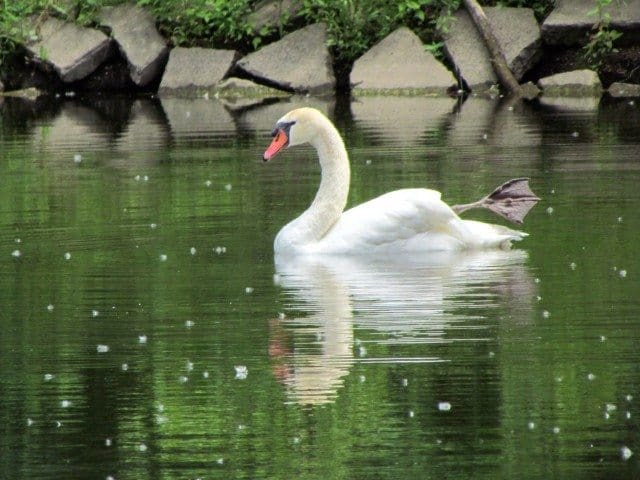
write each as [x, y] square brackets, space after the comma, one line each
[194, 117]
[263, 118]
[76, 124]
[577, 83]
[145, 133]
[411, 117]
[571, 104]
[423, 299]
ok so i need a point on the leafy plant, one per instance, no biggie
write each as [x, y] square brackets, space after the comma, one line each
[601, 40]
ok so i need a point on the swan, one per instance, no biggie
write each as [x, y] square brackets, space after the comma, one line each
[406, 220]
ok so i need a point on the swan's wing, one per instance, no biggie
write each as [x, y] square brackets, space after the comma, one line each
[393, 217]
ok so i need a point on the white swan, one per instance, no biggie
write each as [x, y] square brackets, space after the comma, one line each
[407, 220]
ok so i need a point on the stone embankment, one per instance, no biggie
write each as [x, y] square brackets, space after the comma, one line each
[135, 56]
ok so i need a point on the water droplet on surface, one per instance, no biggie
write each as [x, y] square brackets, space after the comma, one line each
[108, 442]
[591, 377]
[619, 219]
[248, 290]
[77, 158]
[102, 348]
[142, 339]
[444, 406]
[531, 425]
[205, 374]
[556, 430]
[65, 403]
[241, 372]
[189, 323]
[124, 367]
[95, 313]
[572, 265]
[208, 183]
[411, 414]
[67, 256]
[405, 382]
[193, 250]
[163, 257]
[628, 397]
[50, 307]
[29, 422]
[625, 453]
[622, 273]
[137, 178]
[183, 379]
[575, 134]
[153, 225]
[549, 210]
[220, 461]
[603, 338]
[189, 366]
[16, 254]
[281, 316]
[142, 447]
[48, 376]
[228, 187]
[545, 314]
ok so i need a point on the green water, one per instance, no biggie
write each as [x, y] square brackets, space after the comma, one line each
[146, 332]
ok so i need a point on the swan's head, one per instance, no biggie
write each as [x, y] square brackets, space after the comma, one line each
[295, 128]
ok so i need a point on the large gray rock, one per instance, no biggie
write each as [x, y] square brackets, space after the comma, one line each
[273, 13]
[134, 30]
[403, 54]
[569, 23]
[576, 83]
[517, 33]
[619, 90]
[73, 51]
[193, 71]
[299, 61]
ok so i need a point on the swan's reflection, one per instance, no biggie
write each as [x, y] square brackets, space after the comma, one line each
[421, 299]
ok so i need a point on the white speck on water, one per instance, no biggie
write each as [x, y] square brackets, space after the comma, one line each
[628, 397]
[405, 382]
[206, 95]
[205, 374]
[559, 379]
[556, 430]
[536, 280]
[510, 108]
[29, 422]
[189, 366]
[142, 447]
[124, 367]
[153, 225]
[619, 219]
[248, 290]
[241, 372]
[606, 415]
[228, 187]
[77, 158]
[553, 191]
[18, 240]
[362, 351]
[208, 183]
[95, 313]
[485, 136]
[142, 339]
[16, 253]
[549, 210]
[444, 406]
[296, 440]
[48, 376]
[411, 414]
[189, 323]
[220, 250]
[67, 256]
[575, 134]
[603, 338]
[538, 298]
[610, 407]
[622, 273]
[102, 348]
[58, 423]
[632, 103]
[545, 314]
[220, 461]
[109, 477]
[627, 415]
[492, 354]
[572, 265]
[137, 178]
[625, 453]
[591, 377]
[193, 250]
[368, 162]
[531, 425]
[160, 419]
[145, 178]
[281, 315]
[183, 379]
[65, 403]
[108, 442]
[362, 378]
[50, 307]
[163, 257]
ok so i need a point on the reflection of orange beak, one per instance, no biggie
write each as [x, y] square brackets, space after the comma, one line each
[278, 143]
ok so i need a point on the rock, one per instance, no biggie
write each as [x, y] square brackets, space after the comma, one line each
[569, 23]
[300, 61]
[135, 33]
[273, 13]
[517, 33]
[111, 76]
[402, 53]
[619, 89]
[72, 51]
[576, 83]
[194, 71]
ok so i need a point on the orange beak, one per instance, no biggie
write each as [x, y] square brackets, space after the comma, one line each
[278, 143]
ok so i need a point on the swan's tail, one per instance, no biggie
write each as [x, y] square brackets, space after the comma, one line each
[478, 235]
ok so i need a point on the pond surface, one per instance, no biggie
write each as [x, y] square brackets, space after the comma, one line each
[146, 331]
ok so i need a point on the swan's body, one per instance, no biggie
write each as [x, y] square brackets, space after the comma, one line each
[413, 219]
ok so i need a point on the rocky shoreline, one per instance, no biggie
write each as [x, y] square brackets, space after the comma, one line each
[135, 58]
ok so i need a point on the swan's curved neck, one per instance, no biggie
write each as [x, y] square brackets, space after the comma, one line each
[332, 194]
